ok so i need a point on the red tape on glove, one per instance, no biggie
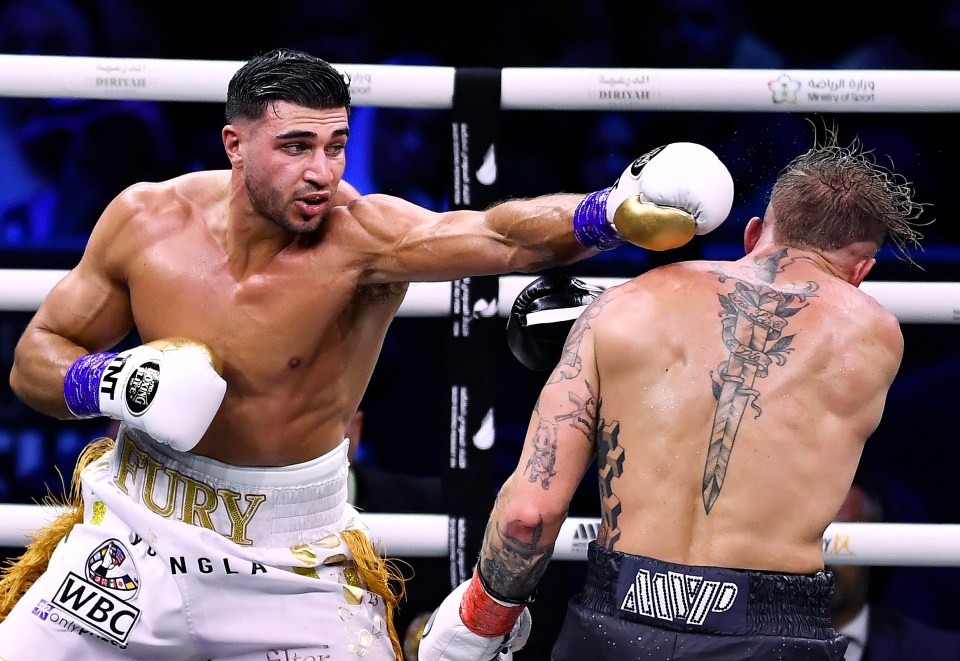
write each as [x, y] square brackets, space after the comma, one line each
[485, 615]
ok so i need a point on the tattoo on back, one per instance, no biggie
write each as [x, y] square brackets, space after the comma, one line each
[753, 317]
[610, 456]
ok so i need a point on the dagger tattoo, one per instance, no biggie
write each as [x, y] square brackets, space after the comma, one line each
[753, 317]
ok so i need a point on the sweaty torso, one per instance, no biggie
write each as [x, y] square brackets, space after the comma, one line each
[297, 332]
[735, 402]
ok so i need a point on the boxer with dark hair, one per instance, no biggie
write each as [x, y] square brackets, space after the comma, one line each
[218, 524]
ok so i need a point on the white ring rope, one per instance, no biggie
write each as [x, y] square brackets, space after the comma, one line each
[911, 302]
[425, 535]
[737, 90]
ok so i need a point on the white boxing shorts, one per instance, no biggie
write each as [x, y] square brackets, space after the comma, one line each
[184, 557]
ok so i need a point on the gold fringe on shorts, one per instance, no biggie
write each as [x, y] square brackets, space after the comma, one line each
[379, 576]
[17, 575]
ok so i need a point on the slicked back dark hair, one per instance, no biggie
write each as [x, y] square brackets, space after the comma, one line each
[285, 75]
[833, 196]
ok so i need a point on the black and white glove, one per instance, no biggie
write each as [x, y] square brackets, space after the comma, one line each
[541, 318]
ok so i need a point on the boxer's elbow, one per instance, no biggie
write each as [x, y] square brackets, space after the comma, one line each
[19, 380]
[535, 520]
[24, 384]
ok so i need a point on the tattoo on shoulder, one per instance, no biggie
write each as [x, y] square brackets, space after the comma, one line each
[570, 365]
[753, 317]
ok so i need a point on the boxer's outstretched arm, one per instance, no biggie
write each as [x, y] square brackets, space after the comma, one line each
[407, 243]
[659, 202]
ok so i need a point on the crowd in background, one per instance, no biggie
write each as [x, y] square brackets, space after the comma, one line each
[62, 160]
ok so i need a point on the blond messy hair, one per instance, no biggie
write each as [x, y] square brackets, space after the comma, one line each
[832, 196]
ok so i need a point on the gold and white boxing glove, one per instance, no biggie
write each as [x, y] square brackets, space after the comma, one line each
[661, 201]
[171, 389]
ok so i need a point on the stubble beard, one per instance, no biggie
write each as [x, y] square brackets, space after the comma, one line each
[269, 203]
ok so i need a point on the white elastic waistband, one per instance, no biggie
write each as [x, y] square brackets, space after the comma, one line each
[277, 506]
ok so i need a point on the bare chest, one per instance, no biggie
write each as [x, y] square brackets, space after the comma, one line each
[289, 317]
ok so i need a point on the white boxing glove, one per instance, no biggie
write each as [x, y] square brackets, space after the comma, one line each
[660, 201]
[170, 389]
[472, 625]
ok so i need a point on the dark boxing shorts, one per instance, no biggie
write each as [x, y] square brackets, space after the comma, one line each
[633, 607]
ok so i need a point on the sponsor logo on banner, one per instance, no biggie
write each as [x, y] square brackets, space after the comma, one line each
[837, 545]
[620, 88]
[584, 534]
[487, 174]
[834, 90]
[483, 308]
[120, 76]
[784, 90]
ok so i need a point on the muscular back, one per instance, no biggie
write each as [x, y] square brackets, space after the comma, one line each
[735, 399]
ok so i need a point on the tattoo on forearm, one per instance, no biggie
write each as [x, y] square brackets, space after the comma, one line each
[514, 562]
[752, 317]
[610, 457]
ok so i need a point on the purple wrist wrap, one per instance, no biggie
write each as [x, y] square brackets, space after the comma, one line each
[590, 224]
[81, 383]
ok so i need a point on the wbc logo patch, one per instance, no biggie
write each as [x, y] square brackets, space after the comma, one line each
[99, 600]
[108, 567]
